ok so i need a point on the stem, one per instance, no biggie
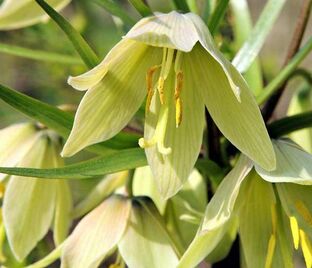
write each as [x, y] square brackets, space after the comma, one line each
[50, 258]
[141, 7]
[302, 21]
[285, 73]
[82, 47]
[217, 16]
[289, 124]
[181, 5]
[38, 54]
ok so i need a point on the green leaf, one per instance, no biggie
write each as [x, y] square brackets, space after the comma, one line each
[141, 7]
[217, 16]
[115, 9]
[285, 73]
[110, 163]
[57, 119]
[40, 55]
[247, 54]
[84, 50]
[145, 242]
[181, 5]
[96, 234]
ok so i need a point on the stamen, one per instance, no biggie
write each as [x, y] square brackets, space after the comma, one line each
[178, 101]
[150, 88]
[272, 241]
[306, 248]
[294, 231]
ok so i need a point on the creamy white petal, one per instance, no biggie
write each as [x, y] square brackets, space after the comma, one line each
[96, 234]
[293, 164]
[108, 107]
[240, 122]
[171, 171]
[172, 30]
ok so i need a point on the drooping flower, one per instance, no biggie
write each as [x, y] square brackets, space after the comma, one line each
[31, 205]
[273, 209]
[174, 57]
[17, 14]
[131, 228]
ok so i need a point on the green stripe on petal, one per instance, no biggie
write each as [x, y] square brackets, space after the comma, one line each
[172, 170]
[172, 30]
[240, 122]
[293, 164]
[17, 14]
[108, 107]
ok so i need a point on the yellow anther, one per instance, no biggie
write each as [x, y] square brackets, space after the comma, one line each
[178, 112]
[270, 251]
[306, 248]
[304, 211]
[179, 85]
[160, 88]
[294, 231]
[150, 87]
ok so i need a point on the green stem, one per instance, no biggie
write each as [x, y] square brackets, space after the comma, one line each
[285, 73]
[84, 50]
[181, 5]
[217, 16]
[289, 124]
[114, 9]
[50, 258]
[141, 7]
[38, 54]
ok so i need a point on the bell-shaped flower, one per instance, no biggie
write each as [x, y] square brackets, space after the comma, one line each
[171, 59]
[273, 209]
[33, 202]
[16, 14]
[131, 228]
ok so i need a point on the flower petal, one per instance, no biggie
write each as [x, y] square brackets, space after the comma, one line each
[218, 215]
[108, 107]
[172, 30]
[145, 185]
[17, 14]
[35, 206]
[15, 142]
[96, 234]
[146, 243]
[171, 171]
[293, 164]
[240, 122]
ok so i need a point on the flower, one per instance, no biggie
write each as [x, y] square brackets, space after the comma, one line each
[30, 202]
[133, 227]
[178, 50]
[17, 14]
[273, 210]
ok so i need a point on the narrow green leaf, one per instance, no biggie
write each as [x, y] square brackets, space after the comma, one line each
[56, 119]
[141, 7]
[254, 43]
[181, 5]
[116, 10]
[242, 27]
[38, 54]
[84, 50]
[285, 73]
[110, 163]
[217, 16]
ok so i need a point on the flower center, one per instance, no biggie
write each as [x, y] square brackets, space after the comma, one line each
[170, 56]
